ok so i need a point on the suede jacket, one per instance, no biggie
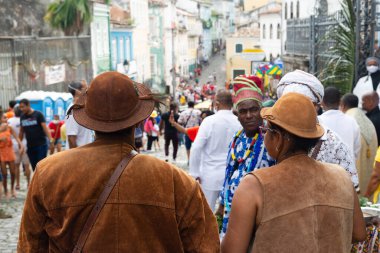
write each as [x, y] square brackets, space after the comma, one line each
[308, 206]
[154, 206]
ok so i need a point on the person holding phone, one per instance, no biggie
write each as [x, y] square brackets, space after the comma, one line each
[171, 133]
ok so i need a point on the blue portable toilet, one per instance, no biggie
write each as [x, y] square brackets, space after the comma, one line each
[68, 104]
[48, 108]
[60, 108]
[37, 100]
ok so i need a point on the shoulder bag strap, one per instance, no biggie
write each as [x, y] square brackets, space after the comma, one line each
[101, 201]
[187, 121]
[316, 149]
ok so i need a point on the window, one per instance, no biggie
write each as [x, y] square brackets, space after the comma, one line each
[128, 48]
[238, 72]
[264, 31]
[286, 11]
[278, 31]
[271, 31]
[114, 53]
[121, 50]
[291, 10]
[238, 48]
[298, 9]
[153, 65]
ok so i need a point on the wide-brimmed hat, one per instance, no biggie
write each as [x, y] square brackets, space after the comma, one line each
[112, 103]
[296, 114]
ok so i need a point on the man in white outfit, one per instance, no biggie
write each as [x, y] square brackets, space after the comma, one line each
[343, 125]
[210, 148]
[369, 82]
[77, 135]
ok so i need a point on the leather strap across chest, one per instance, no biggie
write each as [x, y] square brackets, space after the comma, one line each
[101, 201]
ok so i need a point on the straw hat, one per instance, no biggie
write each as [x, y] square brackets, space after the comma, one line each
[296, 114]
[112, 103]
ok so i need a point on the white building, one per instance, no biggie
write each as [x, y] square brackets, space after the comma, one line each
[140, 15]
[263, 23]
[206, 39]
[271, 32]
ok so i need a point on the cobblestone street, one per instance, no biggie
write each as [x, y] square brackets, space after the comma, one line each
[217, 67]
[9, 227]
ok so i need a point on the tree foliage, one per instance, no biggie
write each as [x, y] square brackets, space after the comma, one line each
[340, 67]
[70, 16]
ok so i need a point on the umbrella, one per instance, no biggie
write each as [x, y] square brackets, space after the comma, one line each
[204, 105]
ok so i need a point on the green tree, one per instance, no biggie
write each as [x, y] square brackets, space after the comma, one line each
[70, 16]
[339, 71]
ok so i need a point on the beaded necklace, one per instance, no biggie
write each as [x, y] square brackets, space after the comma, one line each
[247, 151]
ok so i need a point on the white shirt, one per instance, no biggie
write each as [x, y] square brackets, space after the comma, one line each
[364, 86]
[345, 127]
[84, 135]
[208, 156]
[157, 128]
[14, 122]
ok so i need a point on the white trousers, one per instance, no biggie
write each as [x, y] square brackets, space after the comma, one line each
[211, 197]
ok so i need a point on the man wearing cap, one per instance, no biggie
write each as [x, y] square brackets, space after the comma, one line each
[330, 148]
[151, 207]
[247, 151]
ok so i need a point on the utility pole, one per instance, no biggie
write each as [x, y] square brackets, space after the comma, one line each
[174, 74]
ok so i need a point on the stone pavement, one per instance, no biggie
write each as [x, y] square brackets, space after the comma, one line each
[217, 66]
[9, 228]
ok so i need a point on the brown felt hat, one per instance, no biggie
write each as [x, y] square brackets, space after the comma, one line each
[113, 102]
[296, 114]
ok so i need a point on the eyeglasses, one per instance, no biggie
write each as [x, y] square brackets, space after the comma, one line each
[264, 129]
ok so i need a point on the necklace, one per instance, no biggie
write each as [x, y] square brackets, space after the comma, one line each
[247, 151]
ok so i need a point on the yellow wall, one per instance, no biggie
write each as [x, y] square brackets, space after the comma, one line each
[253, 4]
[233, 60]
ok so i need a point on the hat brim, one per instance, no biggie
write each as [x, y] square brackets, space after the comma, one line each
[318, 132]
[142, 111]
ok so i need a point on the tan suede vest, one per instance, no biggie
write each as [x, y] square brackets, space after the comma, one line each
[307, 207]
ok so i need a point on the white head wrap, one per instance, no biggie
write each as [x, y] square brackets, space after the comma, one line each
[303, 83]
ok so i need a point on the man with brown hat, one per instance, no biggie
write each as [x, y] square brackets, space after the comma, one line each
[141, 204]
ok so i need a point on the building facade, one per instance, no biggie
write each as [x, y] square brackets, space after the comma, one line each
[241, 55]
[140, 15]
[157, 51]
[100, 40]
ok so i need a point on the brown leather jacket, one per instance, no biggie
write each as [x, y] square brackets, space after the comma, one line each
[154, 207]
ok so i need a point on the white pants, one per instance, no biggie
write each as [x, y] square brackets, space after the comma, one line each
[211, 197]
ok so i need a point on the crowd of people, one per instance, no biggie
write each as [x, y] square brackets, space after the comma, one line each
[264, 176]
[26, 139]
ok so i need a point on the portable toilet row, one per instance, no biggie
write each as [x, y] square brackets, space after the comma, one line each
[49, 103]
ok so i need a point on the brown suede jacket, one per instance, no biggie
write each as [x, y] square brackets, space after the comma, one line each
[154, 207]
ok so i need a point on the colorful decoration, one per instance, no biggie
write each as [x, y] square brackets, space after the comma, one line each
[247, 152]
